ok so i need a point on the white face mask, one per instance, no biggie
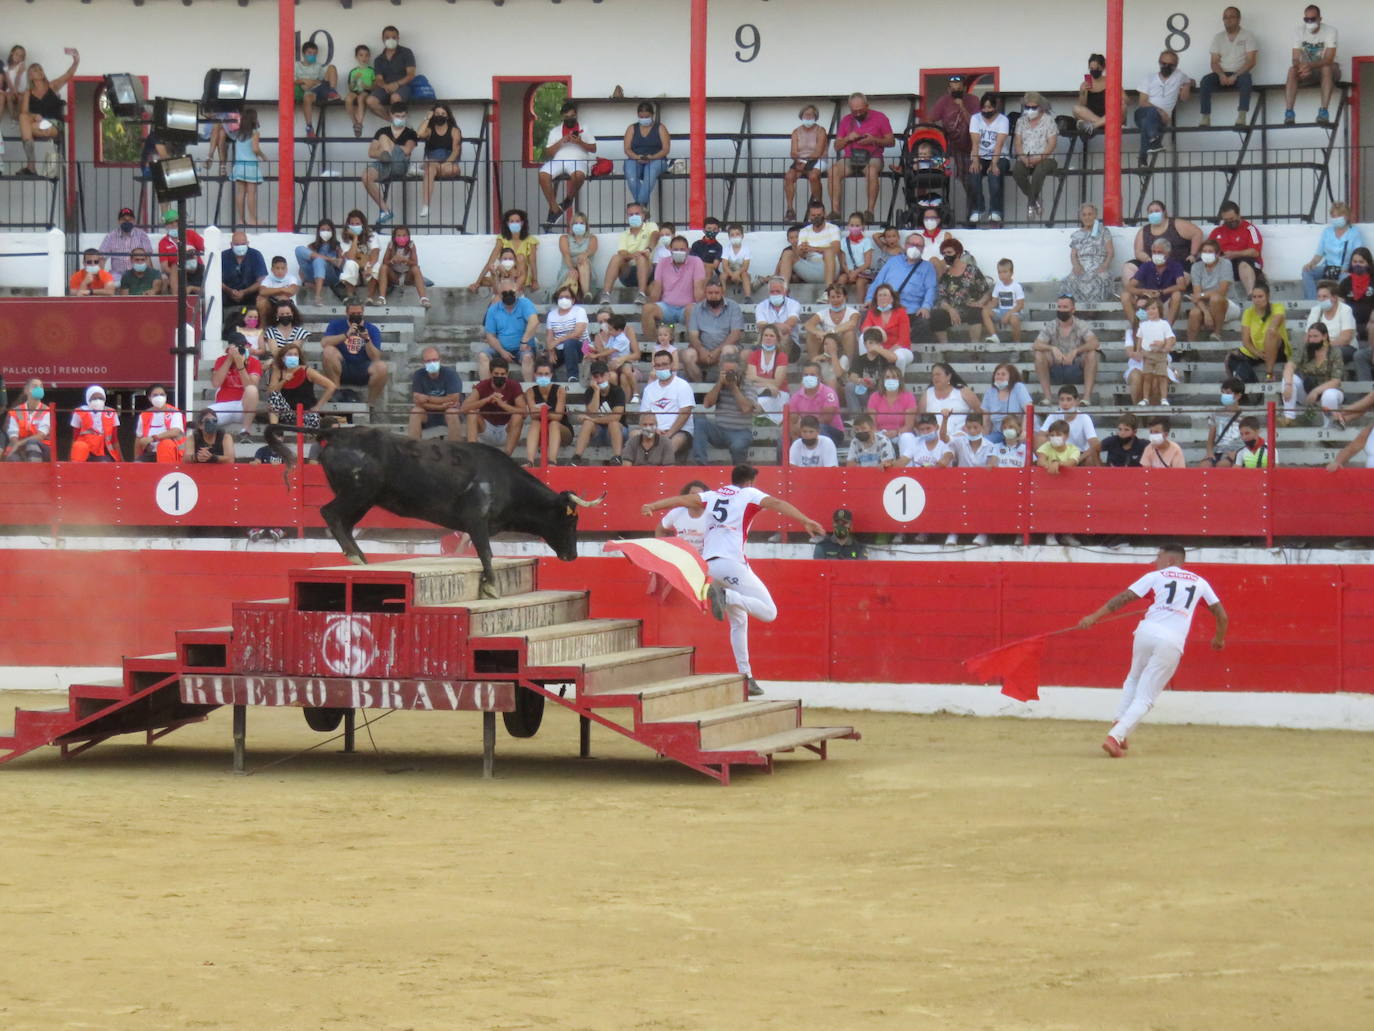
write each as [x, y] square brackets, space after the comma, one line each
[1208, 258]
[776, 300]
[507, 263]
[1159, 259]
[158, 400]
[891, 384]
[679, 257]
[1010, 435]
[1001, 383]
[1156, 439]
[932, 224]
[1056, 441]
[913, 253]
[810, 382]
[326, 234]
[96, 404]
[391, 44]
[808, 122]
[564, 303]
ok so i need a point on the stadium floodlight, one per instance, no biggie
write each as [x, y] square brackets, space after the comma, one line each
[225, 90]
[125, 93]
[175, 179]
[176, 121]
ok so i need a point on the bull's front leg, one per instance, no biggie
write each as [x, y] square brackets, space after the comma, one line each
[481, 541]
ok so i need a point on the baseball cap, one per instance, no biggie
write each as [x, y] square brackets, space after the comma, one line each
[126, 211]
[956, 77]
[170, 215]
[843, 515]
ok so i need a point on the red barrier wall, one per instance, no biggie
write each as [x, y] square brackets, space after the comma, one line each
[1294, 628]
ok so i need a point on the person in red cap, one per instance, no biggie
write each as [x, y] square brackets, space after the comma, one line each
[120, 241]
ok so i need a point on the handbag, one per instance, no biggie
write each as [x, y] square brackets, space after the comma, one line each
[602, 166]
[1335, 272]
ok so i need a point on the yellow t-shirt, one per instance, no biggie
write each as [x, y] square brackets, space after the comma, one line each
[1068, 453]
[1260, 327]
[635, 240]
[524, 249]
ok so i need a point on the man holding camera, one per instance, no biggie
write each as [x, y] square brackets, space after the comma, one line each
[733, 402]
[235, 377]
[353, 353]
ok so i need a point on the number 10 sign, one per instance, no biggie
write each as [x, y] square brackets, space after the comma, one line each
[903, 499]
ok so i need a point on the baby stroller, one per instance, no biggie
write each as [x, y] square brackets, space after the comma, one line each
[925, 174]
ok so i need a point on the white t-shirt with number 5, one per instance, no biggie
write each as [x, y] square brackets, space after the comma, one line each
[729, 511]
[1178, 593]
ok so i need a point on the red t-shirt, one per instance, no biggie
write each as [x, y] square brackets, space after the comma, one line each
[167, 247]
[510, 392]
[895, 323]
[1242, 238]
[756, 360]
[232, 387]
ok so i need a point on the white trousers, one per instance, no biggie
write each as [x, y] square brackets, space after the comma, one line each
[1295, 396]
[745, 596]
[1154, 657]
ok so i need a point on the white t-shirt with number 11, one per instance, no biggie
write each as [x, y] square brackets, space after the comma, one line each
[1177, 594]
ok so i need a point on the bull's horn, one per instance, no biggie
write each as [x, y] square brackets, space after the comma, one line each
[583, 502]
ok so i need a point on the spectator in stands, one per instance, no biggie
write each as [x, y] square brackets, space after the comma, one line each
[577, 248]
[30, 433]
[1223, 427]
[315, 84]
[727, 416]
[568, 154]
[291, 384]
[603, 423]
[1210, 285]
[1339, 242]
[963, 288]
[713, 325]
[362, 257]
[793, 232]
[630, 264]
[510, 323]
[924, 449]
[1091, 109]
[1241, 243]
[679, 283]
[914, 283]
[1090, 254]
[841, 543]
[647, 144]
[734, 260]
[972, 448]
[1163, 280]
[1079, 425]
[836, 318]
[782, 311]
[861, 137]
[278, 285]
[1315, 379]
[833, 361]
[1358, 291]
[1184, 239]
[648, 445]
[541, 394]
[42, 111]
[287, 327]
[1003, 305]
[1159, 94]
[669, 399]
[809, 144]
[1057, 452]
[142, 279]
[869, 448]
[91, 279]
[352, 354]
[400, 262]
[246, 171]
[235, 377]
[1234, 53]
[766, 370]
[1007, 395]
[934, 236]
[389, 158]
[443, 145]
[818, 399]
[1011, 453]
[885, 314]
[953, 112]
[988, 131]
[566, 335]
[1314, 60]
[815, 258]
[1253, 452]
[1364, 441]
[15, 77]
[1067, 351]
[496, 408]
[121, 241]
[209, 444]
[320, 262]
[515, 236]
[858, 256]
[393, 72]
[887, 244]
[949, 396]
[894, 408]
[1154, 338]
[95, 430]
[1337, 317]
[615, 344]
[1263, 338]
[1162, 453]
[1036, 138]
[811, 450]
[167, 247]
[666, 232]
[242, 271]
[436, 393]
[1124, 449]
[362, 78]
[708, 247]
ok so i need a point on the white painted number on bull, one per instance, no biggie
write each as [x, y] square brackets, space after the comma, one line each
[177, 494]
[903, 499]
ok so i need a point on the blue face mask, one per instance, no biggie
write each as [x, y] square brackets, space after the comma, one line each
[432, 368]
[884, 307]
[860, 389]
[1228, 399]
[140, 266]
[635, 221]
[309, 58]
[663, 374]
[36, 394]
[926, 438]
[1338, 222]
[769, 347]
[579, 229]
[291, 361]
[514, 227]
[542, 381]
[1156, 217]
[646, 122]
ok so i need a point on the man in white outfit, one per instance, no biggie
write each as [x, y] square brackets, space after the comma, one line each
[736, 592]
[1159, 638]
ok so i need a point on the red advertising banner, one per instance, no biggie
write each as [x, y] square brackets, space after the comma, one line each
[73, 341]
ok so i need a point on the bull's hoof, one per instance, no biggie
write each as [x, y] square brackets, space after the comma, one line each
[487, 590]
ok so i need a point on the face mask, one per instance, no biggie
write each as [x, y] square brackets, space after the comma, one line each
[140, 266]
[679, 257]
[1208, 258]
[913, 254]
[1155, 217]
[1010, 435]
[291, 361]
[646, 122]
[355, 320]
[498, 381]
[890, 385]
[1228, 399]
[515, 226]
[191, 264]
[1156, 439]
[711, 234]
[96, 404]
[579, 229]
[856, 233]
[564, 303]
[863, 435]
[927, 437]
[635, 221]
[569, 123]
[325, 234]
[399, 123]
[309, 59]
[1338, 222]
[932, 223]
[808, 122]
[884, 307]
[284, 315]
[663, 374]
[93, 265]
[1031, 109]
[1096, 73]
[391, 44]
[975, 438]
[209, 427]
[508, 296]
[355, 228]
[736, 240]
[172, 232]
[439, 120]
[126, 227]
[776, 299]
[1159, 259]
[817, 221]
[507, 263]
[1057, 441]
[542, 381]
[956, 91]
[1166, 70]
[1001, 383]
[714, 304]
[250, 322]
[811, 382]
[1358, 270]
[1064, 316]
[989, 116]
[1313, 24]
[240, 249]
[769, 346]
[860, 389]
[36, 394]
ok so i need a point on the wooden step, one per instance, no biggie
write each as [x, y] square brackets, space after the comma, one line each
[565, 643]
[498, 617]
[742, 721]
[621, 671]
[788, 740]
[442, 581]
[666, 699]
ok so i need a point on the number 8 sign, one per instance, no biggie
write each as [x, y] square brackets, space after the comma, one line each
[177, 494]
[903, 499]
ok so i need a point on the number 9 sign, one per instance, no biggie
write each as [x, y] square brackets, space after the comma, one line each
[177, 494]
[903, 499]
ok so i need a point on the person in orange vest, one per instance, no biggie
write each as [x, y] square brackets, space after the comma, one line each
[161, 433]
[95, 436]
[30, 427]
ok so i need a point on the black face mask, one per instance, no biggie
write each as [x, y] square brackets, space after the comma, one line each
[956, 91]
[568, 123]
[714, 304]
[498, 381]
[508, 296]
[285, 316]
[355, 320]
[209, 427]
[1166, 70]
[126, 227]
[1096, 73]
[1064, 316]
[439, 120]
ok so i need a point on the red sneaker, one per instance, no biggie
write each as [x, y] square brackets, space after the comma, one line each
[1125, 747]
[1113, 747]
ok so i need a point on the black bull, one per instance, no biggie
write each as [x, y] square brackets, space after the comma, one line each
[469, 487]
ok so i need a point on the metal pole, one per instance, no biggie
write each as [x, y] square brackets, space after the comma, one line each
[488, 744]
[240, 734]
[1111, 168]
[584, 737]
[286, 115]
[350, 728]
[697, 145]
[182, 350]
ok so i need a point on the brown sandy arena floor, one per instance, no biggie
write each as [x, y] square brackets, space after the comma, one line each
[943, 873]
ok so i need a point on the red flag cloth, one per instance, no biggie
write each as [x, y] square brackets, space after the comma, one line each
[1017, 665]
[672, 561]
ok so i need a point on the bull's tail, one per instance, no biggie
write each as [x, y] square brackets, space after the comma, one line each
[273, 435]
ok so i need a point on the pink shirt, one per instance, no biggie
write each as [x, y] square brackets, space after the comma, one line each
[825, 397]
[678, 280]
[891, 417]
[876, 124]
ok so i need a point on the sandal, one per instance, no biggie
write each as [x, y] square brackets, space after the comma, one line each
[424, 302]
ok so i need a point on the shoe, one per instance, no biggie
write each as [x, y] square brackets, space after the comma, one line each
[995, 218]
[1113, 747]
[424, 211]
[754, 689]
[244, 435]
[605, 297]
[572, 381]
[1051, 541]
[1069, 540]
[899, 538]
[641, 297]
[952, 540]
[869, 217]
[1242, 117]
[384, 218]
[357, 129]
[974, 217]
[255, 534]
[715, 594]
[1323, 116]
[376, 302]
[277, 533]
[634, 400]
[1164, 401]
[994, 339]
[424, 302]
[1143, 403]
[1205, 122]
[615, 460]
[309, 132]
[790, 215]
[1156, 145]
[26, 171]
[980, 541]
[577, 460]
[1289, 116]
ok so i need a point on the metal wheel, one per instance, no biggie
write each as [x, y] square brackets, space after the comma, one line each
[528, 714]
[324, 720]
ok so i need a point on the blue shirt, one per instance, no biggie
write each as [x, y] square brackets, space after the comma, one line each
[995, 409]
[508, 325]
[446, 384]
[240, 273]
[338, 327]
[919, 291]
[1337, 251]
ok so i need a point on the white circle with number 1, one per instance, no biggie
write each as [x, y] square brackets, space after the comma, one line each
[903, 499]
[177, 494]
